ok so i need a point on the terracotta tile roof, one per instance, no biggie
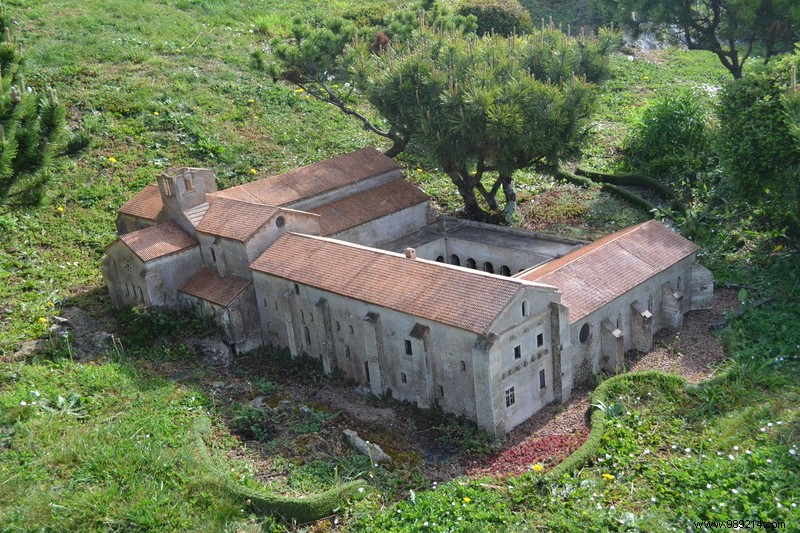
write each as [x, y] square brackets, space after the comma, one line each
[158, 241]
[208, 285]
[234, 219]
[462, 298]
[598, 273]
[313, 180]
[368, 205]
[145, 204]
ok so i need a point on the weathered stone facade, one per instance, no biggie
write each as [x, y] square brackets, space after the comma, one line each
[344, 261]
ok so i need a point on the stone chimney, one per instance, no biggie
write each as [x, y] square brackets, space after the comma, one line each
[411, 253]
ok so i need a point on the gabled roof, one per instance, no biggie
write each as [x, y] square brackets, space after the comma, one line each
[158, 241]
[466, 299]
[369, 205]
[234, 219]
[145, 204]
[208, 285]
[312, 180]
[598, 273]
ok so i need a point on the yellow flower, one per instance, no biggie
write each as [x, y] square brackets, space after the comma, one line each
[537, 467]
[419, 169]
[51, 304]
[467, 499]
[779, 248]
[112, 160]
[253, 171]
[646, 78]
[60, 209]
[42, 319]
[608, 477]
[251, 101]
[300, 90]
[155, 113]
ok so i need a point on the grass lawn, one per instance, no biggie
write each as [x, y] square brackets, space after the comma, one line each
[113, 445]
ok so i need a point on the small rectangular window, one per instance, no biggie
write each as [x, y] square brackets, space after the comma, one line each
[409, 349]
[540, 340]
[542, 383]
[517, 352]
[296, 288]
[510, 397]
[403, 378]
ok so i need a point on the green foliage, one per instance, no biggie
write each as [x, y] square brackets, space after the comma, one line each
[31, 124]
[504, 17]
[757, 150]
[731, 30]
[671, 138]
[491, 104]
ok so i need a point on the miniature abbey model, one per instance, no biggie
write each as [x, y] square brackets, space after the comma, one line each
[345, 261]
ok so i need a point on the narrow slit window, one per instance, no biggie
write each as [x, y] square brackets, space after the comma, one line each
[542, 380]
[540, 340]
[213, 255]
[403, 378]
[524, 308]
[463, 366]
[308, 336]
[409, 348]
[517, 352]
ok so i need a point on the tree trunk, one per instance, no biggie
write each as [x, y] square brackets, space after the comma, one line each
[511, 197]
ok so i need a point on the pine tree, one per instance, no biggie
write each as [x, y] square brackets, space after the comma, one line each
[31, 125]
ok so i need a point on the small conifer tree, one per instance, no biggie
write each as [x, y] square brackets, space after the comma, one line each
[31, 124]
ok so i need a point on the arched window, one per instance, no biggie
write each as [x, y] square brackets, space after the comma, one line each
[584, 334]
[505, 271]
[463, 366]
[440, 259]
[308, 335]
[454, 260]
[471, 263]
[403, 378]
[524, 308]
[488, 267]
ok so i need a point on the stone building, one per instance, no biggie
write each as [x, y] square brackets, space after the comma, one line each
[344, 261]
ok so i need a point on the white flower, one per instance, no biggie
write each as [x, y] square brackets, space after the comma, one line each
[23, 403]
[736, 448]
[687, 450]
[646, 451]
[769, 461]
[734, 491]
[762, 430]
[35, 393]
[425, 524]
[730, 457]
[360, 489]
[653, 499]
[748, 452]
[779, 422]
[709, 485]
[769, 425]
[792, 452]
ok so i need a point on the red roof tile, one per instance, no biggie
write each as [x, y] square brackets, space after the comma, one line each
[466, 299]
[145, 204]
[598, 273]
[313, 180]
[368, 205]
[158, 241]
[234, 219]
[208, 285]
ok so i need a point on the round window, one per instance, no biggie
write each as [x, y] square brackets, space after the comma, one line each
[584, 334]
[280, 222]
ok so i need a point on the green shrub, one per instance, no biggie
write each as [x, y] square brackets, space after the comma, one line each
[670, 138]
[757, 150]
[503, 16]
